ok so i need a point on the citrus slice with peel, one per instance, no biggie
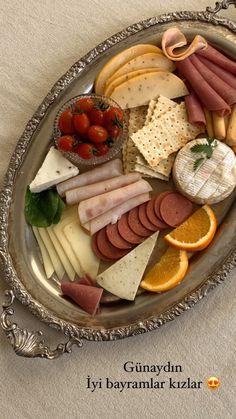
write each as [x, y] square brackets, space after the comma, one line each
[196, 232]
[168, 272]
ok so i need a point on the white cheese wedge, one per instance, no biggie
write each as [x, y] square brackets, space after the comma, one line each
[55, 169]
[213, 181]
[61, 254]
[58, 230]
[123, 278]
[47, 263]
[81, 244]
[58, 267]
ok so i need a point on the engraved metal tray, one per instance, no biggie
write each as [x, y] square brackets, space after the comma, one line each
[19, 254]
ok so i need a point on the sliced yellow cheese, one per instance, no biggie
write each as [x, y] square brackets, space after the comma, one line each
[47, 263]
[61, 254]
[116, 81]
[58, 267]
[120, 59]
[140, 90]
[144, 61]
[123, 277]
[81, 244]
[58, 230]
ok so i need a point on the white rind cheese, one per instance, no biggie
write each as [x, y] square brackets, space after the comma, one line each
[55, 169]
[213, 181]
[123, 278]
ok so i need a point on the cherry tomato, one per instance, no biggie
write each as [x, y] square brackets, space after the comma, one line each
[102, 149]
[66, 122]
[97, 134]
[84, 104]
[113, 116]
[81, 123]
[114, 131]
[86, 151]
[66, 143]
[96, 116]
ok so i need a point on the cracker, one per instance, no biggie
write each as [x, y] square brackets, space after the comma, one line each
[148, 172]
[163, 167]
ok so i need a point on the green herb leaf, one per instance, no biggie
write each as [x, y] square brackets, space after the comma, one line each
[198, 163]
[60, 208]
[203, 148]
[41, 209]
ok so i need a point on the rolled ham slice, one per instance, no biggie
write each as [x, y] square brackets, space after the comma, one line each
[113, 215]
[93, 207]
[220, 86]
[173, 39]
[218, 58]
[206, 94]
[229, 78]
[194, 109]
[106, 171]
[77, 195]
[86, 296]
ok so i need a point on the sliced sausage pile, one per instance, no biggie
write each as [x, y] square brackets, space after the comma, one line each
[168, 209]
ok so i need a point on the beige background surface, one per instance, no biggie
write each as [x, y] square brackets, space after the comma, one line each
[39, 40]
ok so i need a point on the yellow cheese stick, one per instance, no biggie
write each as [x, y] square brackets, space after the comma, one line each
[231, 132]
[209, 124]
[234, 149]
[219, 126]
[227, 122]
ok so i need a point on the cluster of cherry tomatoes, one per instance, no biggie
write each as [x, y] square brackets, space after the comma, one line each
[89, 128]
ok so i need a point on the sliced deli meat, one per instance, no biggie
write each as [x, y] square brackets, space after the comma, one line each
[175, 209]
[115, 238]
[136, 225]
[77, 195]
[107, 249]
[194, 109]
[86, 296]
[106, 171]
[151, 214]
[123, 278]
[126, 232]
[93, 207]
[207, 95]
[173, 41]
[218, 58]
[225, 75]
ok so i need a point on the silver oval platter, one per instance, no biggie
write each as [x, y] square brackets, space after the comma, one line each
[19, 252]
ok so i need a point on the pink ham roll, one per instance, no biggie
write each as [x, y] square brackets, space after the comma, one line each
[218, 58]
[220, 86]
[194, 108]
[229, 78]
[206, 94]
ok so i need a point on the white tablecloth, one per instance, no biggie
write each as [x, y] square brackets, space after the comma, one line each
[39, 41]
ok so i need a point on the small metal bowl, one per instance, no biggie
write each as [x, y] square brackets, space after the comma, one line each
[118, 142]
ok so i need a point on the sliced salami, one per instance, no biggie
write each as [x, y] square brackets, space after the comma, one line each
[107, 249]
[115, 238]
[96, 250]
[126, 232]
[175, 209]
[150, 211]
[135, 225]
[142, 215]
[157, 203]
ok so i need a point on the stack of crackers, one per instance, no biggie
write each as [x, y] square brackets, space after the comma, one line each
[156, 132]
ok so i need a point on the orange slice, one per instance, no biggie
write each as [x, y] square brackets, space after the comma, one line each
[168, 272]
[196, 232]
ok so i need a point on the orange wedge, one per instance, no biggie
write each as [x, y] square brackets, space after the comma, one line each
[168, 272]
[196, 232]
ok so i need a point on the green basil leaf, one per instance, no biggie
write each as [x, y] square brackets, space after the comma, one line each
[41, 208]
[60, 208]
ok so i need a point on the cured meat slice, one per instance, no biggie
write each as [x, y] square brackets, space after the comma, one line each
[150, 210]
[218, 58]
[173, 39]
[93, 207]
[113, 215]
[142, 215]
[126, 232]
[222, 73]
[107, 249]
[207, 95]
[106, 171]
[96, 250]
[74, 196]
[175, 209]
[194, 109]
[220, 86]
[86, 280]
[135, 225]
[115, 238]
[157, 202]
[87, 297]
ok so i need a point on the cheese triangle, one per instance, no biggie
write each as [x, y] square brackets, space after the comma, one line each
[123, 278]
